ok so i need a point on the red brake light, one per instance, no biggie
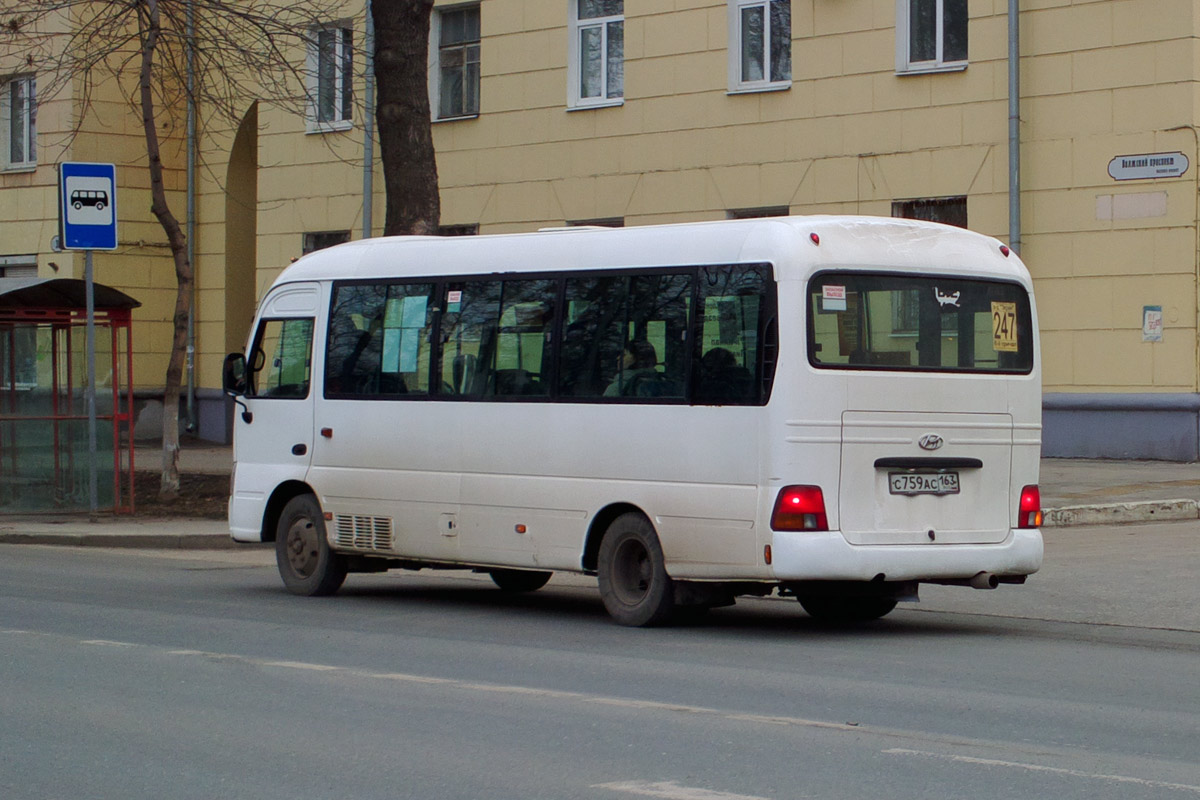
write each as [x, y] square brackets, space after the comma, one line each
[799, 508]
[1030, 513]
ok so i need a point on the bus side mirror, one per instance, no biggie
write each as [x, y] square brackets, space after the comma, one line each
[233, 381]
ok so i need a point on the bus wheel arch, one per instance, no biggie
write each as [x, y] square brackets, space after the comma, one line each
[600, 523]
[282, 495]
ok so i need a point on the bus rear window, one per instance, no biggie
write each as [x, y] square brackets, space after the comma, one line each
[865, 320]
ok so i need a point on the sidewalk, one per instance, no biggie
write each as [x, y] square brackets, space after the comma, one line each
[1074, 492]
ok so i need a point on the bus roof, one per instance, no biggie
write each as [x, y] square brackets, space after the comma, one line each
[797, 246]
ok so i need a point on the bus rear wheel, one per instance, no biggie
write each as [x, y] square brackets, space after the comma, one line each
[519, 580]
[631, 569]
[306, 563]
[847, 609]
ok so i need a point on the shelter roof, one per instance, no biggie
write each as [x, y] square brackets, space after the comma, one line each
[32, 293]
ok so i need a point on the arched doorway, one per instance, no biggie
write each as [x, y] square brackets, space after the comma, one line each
[241, 232]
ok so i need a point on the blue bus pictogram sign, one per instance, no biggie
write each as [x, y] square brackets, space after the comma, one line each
[87, 206]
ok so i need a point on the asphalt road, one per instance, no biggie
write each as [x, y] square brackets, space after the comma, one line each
[192, 675]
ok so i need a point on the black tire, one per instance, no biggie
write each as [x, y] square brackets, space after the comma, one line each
[634, 584]
[519, 580]
[306, 564]
[842, 610]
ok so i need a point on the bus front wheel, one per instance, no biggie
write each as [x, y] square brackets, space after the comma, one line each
[634, 584]
[519, 580]
[306, 564]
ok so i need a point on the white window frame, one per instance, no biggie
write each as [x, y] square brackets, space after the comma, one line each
[435, 67]
[343, 119]
[28, 124]
[736, 84]
[577, 26]
[904, 65]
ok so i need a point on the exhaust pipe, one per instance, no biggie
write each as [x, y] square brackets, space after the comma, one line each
[984, 580]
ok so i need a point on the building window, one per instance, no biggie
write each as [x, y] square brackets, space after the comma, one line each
[470, 229]
[18, 266]
[600, 222]
[947, 210]
[597, 65]
[322, 239]
[761, 51]
[758, 213]
[331, 77]
[18, 122]
[931, 35]
[456, 76]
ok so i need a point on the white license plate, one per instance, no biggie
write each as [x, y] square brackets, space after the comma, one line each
[923, 482]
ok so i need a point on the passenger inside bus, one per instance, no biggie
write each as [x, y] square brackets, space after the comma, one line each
[635, 369]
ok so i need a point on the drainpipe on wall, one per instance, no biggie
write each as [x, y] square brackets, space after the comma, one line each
[192, 424]
[1014, 126]
[369, 127]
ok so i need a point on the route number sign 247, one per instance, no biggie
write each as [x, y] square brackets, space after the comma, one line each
[1004, 327]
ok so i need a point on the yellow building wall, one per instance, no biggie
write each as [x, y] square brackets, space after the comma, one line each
[1099, 79]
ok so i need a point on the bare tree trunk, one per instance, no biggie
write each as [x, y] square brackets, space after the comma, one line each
[150, 30]
[405, 135]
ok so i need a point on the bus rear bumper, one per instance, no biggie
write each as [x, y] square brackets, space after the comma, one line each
[826, 555]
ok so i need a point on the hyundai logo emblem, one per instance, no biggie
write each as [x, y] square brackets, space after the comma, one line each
[930, 441]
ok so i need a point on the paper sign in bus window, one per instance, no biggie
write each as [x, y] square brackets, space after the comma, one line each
[833, 298]
[405, 312]
[391, 350]
[1004, 327]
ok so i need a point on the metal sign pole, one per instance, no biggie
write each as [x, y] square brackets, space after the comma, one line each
[93, 494]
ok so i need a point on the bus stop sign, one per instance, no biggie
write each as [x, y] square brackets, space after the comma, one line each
[87, 206]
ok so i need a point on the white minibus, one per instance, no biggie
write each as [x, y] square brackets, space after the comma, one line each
[836, 409]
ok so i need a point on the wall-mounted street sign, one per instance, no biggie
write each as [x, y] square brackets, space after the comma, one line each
[87, 206]
[1147, 166]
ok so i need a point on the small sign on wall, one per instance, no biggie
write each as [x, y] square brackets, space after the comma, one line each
[1146, 166]
[1152, 323]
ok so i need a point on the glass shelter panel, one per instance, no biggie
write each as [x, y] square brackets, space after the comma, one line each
[45, 457]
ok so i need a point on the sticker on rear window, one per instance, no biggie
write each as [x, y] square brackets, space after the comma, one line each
[1004, 327]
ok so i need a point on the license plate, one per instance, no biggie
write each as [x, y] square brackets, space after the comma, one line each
[923, 482]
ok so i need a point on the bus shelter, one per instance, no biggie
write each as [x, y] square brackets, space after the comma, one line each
[45, 463]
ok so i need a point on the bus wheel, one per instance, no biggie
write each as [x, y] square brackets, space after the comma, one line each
[519, 580]
[847, 609]
[633, 578]
[306, 564]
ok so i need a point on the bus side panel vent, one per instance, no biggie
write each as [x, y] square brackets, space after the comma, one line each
[359, 532]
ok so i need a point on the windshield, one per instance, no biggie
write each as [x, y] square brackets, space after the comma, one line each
[908, 322]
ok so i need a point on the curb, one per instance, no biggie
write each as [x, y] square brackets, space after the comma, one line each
[153, 541]
[1118, 513]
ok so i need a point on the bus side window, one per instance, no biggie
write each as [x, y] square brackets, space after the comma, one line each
[593, 339]
[281, 361]
[469, 338]
[522, 341]
[728, 350]
[379, 340]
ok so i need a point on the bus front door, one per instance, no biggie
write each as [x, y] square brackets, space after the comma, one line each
[273, 435]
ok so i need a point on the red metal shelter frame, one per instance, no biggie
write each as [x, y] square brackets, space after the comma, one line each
[67, 405]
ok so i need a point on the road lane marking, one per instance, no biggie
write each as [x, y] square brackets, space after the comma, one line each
[651, 705]
[1074, 773]
[669, 790]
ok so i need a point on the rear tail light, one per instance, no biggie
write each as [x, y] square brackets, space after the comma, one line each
[1030, 513]
[799, 508]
